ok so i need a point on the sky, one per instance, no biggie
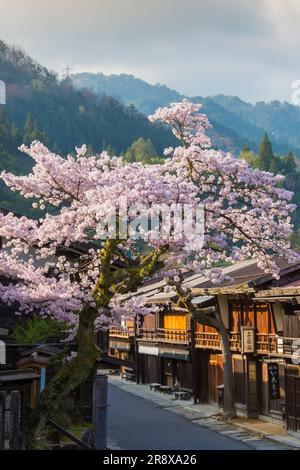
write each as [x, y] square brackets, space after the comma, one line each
[246, 48]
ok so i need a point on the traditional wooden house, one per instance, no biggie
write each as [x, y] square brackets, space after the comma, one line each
[281, 369]
[164, 348]
[16, 401]
[122, 346]
[254, 327]
[173, 350]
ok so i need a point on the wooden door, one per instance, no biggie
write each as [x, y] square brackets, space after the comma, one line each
[215, 376]
[252, 408]
[170, 372]
[293, 402]
[239, 379]
[200, 370]
[150, 369]
[264, 389]
[184, 375]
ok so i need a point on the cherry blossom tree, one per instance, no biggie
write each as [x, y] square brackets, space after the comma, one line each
[247, 214]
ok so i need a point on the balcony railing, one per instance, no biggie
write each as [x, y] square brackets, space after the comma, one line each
[235, 341]
[165, 335]
[265, 343]
[207, 340]
[117, 332]
[278, 345]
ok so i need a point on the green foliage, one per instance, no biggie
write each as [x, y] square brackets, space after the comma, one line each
[39, 107]
[266, 158]
[142, 150]
[53, 111]
[234, 121]
[284, 165]
[295, 239]
[249, 156]
[37, 329]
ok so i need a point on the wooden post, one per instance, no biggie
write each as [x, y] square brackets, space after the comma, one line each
[195, 370]
[14, 432]
[136, 346]
[100, 390]
[2, 420]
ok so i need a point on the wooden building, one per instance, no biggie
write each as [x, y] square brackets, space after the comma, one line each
[122, 346]
[164, 349]
[264, 335]
[16, 401]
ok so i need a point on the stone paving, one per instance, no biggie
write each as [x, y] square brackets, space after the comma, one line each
[209, 416]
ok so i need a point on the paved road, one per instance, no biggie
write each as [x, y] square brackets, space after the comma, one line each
[138, 424]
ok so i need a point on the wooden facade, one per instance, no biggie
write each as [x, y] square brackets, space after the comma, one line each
[122, 346]
[272, 344]
[164, 349]
[171, 349]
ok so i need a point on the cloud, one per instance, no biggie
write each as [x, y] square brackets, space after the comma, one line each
[246, 48]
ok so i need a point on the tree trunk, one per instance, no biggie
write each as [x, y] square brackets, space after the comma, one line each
[229, 401]
[65, 381]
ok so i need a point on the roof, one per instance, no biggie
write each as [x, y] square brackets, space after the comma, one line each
[33, 359]
[245, 277]
[20, 375]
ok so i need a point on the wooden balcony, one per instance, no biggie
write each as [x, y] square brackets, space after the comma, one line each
[265, 344]
[165, 335]
[235, 341]
[278, 345]
[207, 340]
[124, 333]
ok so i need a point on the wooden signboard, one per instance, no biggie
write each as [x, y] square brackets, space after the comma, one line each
[274, 386]
[248, 339]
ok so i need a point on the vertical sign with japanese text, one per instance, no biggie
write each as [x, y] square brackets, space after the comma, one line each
[274, 386]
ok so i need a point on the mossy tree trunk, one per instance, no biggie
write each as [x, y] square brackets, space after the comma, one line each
[229, 392]
[74, 373]
[211, 316]
[65, 381]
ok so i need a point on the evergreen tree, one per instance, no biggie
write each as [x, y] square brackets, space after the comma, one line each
[266, 156]
[290, 163]
[3, 126]
[32, 132]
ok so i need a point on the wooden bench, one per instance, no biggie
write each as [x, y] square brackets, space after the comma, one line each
[155, 386]
[183, 395]
[166, 389]
[128, 375]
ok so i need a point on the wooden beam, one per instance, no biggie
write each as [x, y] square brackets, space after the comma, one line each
[238, 289]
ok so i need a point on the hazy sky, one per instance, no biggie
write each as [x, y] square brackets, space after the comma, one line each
[248, 48]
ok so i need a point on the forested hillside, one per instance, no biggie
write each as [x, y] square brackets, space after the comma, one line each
[286, 165]
[235, 122]
[128, 89]
[39, 106]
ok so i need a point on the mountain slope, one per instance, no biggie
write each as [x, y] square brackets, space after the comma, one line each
[128, 89]
[280, 120]
[39, 106]
[69, 117]
[236, 122]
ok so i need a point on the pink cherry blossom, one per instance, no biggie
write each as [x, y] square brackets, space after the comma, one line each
[247, 215]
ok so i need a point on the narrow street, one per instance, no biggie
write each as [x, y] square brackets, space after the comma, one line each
[135, 423]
